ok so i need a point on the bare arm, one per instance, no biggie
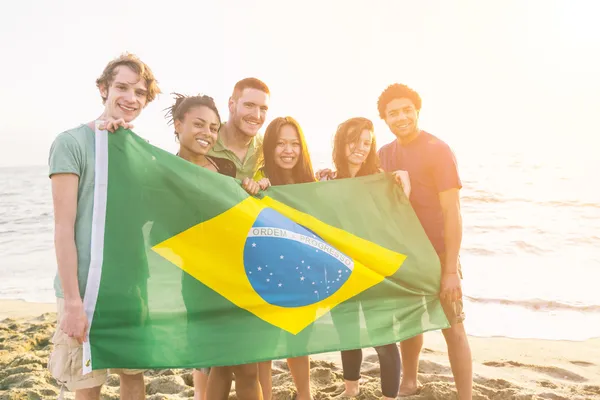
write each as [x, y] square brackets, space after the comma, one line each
[64, 196]
[450, 203]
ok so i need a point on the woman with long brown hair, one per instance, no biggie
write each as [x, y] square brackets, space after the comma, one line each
[286, 161]
[285, 155]
[355, 155]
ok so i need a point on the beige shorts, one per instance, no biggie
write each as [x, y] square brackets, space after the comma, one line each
[66, 365]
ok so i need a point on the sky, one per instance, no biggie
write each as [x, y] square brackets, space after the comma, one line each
[491, 73]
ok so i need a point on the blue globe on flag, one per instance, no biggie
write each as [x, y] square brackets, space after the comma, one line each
[288, 265]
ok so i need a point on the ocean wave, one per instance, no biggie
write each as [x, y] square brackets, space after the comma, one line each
[487, 197]
[37, 219]
[529, 248]
[570, 203]
[499, 227]
[584, 240]
[538, 304]
[479, 251]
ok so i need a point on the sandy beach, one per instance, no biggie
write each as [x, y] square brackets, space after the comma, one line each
[503, 368]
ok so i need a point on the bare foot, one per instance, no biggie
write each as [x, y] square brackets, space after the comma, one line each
[348, 395]
[409, 389]
[351, 391]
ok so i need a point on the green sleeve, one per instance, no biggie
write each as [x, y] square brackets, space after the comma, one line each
[65, 156]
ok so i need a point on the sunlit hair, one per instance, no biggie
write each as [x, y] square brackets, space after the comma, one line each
[397, 91]
[184, 103]
[302, 171]
[136, 65]
[249, 83]
[349, 132]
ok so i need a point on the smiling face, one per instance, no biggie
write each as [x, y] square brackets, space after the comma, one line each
[288, 149]
[198, 130]
[357, 152]
[249, 111]
[402, 118]
[126, 95]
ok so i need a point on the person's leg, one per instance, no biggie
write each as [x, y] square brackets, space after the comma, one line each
[88, 394]
[132, 385]
[459, 354]
[200, 378]
[219, 383]
[247, 386]
[351, 361]
[300, 370]
[264, 377]
[459, 351]
[389, 364]
[411, 349]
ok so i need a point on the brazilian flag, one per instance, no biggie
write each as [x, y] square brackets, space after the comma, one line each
[188, 270]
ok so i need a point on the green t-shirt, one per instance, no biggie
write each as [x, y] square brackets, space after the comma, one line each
[73, 152]
[245, 168]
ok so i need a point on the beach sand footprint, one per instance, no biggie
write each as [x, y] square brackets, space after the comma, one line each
[430, 351]
[431, 367]
[555, 372]
[547, 384]
[583, 363]
[592, 389]
[552, 396]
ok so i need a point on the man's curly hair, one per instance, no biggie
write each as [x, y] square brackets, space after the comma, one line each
[397, 91]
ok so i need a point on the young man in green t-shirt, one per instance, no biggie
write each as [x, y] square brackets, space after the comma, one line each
[238, 142]
[238, 139]
[126, 86]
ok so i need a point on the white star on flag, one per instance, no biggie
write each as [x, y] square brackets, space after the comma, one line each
[259, 268]
[253, 244]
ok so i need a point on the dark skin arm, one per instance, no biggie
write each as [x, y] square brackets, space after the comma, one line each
[451, 285]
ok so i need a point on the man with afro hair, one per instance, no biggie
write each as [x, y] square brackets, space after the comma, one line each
[435, 184]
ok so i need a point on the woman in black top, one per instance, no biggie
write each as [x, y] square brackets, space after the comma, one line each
[354, 155]
[196, 121]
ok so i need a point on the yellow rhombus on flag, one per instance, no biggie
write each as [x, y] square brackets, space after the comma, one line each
[213, 253]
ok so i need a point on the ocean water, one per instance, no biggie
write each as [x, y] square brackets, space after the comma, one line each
[530, 255]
